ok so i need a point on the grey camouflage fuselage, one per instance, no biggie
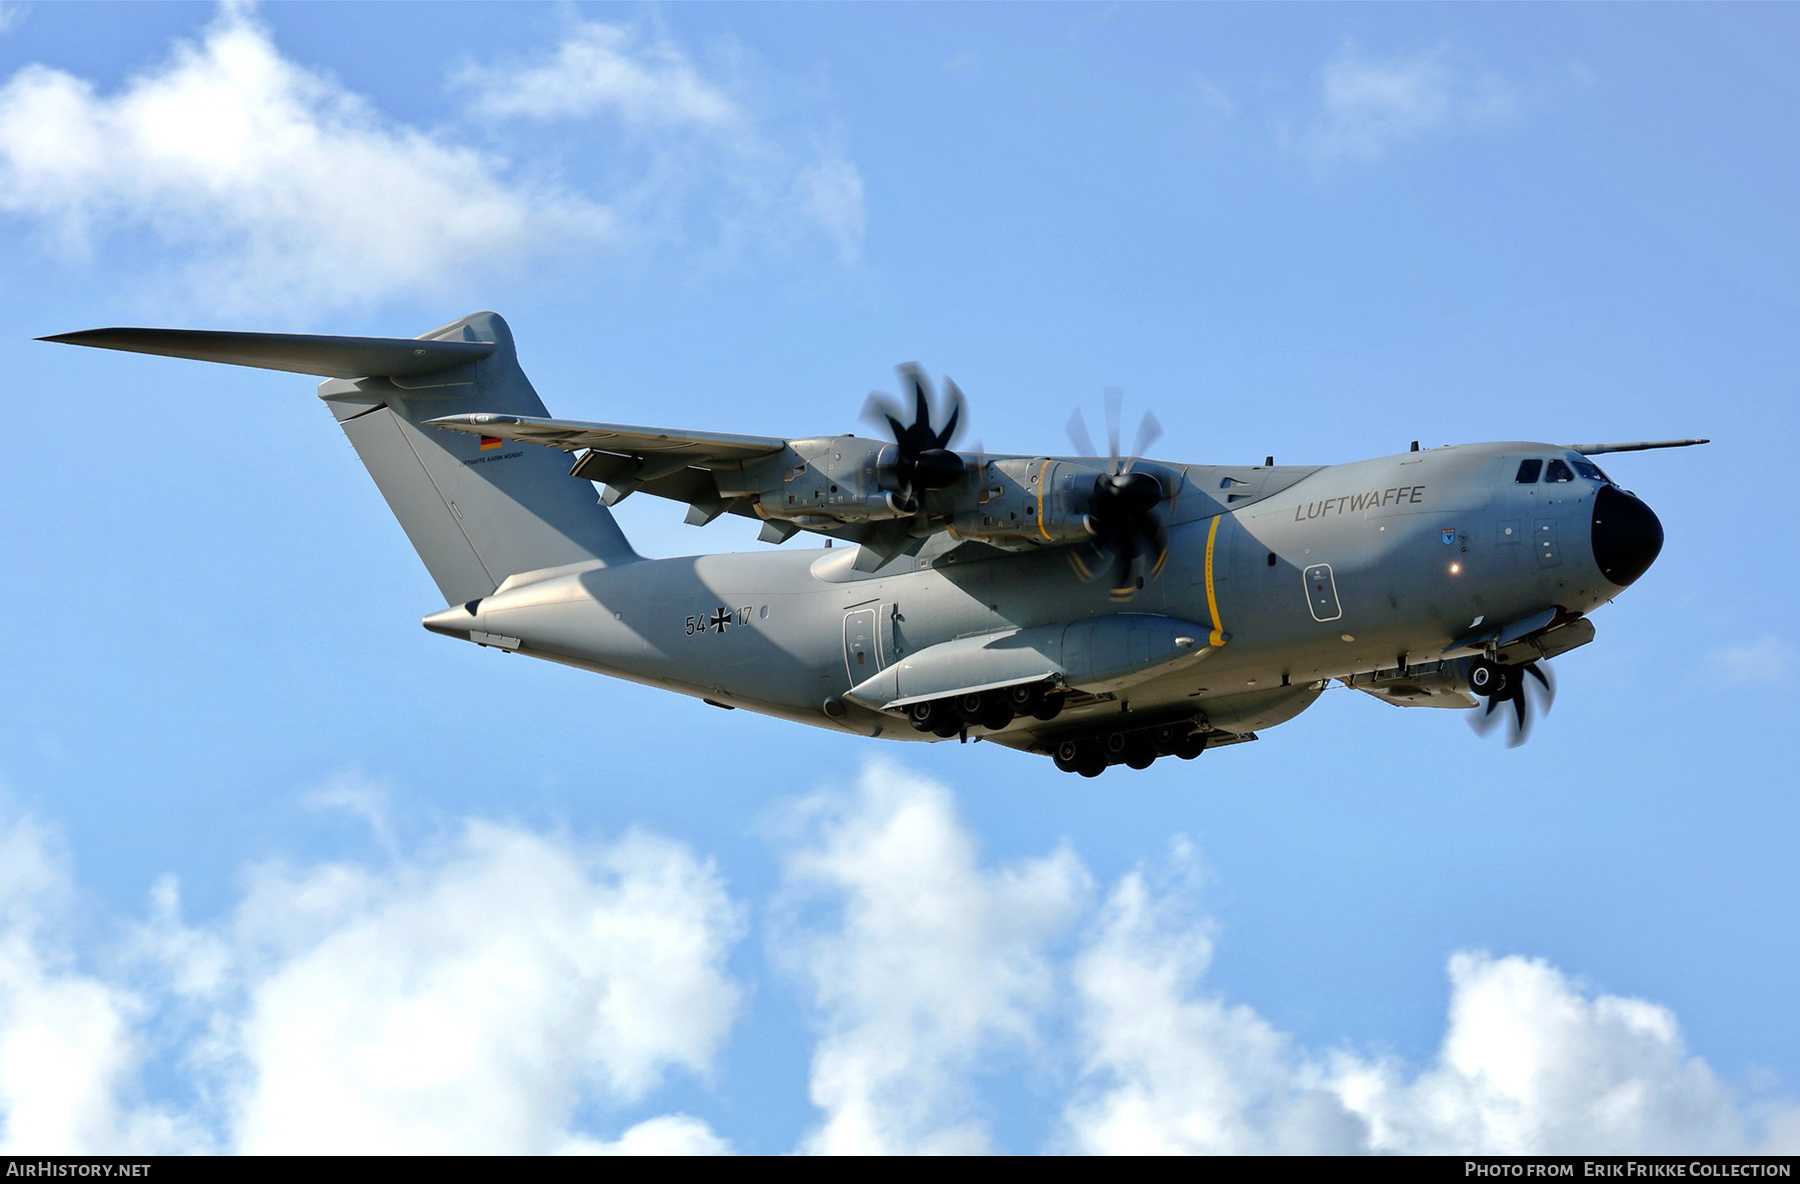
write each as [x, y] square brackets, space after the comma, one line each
[1394, 574]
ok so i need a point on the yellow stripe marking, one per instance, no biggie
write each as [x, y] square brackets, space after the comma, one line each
[1212, 596]
[1040, 520]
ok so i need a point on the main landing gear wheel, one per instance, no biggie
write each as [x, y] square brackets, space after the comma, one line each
[995, 714]
[1136, 748]
[1033, 699]
[937, 716]
[1079, 756]
[934, 716]
[992, 710]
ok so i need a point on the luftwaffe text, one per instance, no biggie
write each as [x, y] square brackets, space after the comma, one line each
[1356, 503]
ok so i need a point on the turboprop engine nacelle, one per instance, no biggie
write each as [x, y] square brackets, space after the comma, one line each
[829, 479]
[1030, 503]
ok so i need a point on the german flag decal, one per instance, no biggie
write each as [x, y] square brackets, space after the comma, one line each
[488, 442]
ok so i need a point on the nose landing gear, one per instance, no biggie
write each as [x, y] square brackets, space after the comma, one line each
[1499, 683]
[1491, 680]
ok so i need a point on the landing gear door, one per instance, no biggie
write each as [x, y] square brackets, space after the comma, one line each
[862, 654]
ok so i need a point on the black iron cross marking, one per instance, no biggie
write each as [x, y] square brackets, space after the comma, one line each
[720, 619]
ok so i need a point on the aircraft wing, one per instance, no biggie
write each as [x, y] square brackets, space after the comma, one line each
[677, 465]
[696, 448]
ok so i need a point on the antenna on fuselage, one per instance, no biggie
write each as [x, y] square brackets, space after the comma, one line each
[1639, 446]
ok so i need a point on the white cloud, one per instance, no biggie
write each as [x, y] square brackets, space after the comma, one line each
[1767, 659]
[284, 188]
[831, 192]
[1369, 106]
[471, 1004]
[764, 187]
[927, 961]
[1169, 1070]
[477, 1001]
[69, 1048]
[924, 964]
[361, 797]
[1531, 1064]
[668, 1134]
[505, 990]
[597, 69]
[10, 15]
[279, 188]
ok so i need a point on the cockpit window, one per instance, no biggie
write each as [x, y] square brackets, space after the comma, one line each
[1528, 471]
[1590, 470]
[1558, 471]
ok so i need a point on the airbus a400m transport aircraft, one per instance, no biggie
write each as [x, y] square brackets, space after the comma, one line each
[1099, 610]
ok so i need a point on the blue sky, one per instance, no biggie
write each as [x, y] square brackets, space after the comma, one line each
[280, 869]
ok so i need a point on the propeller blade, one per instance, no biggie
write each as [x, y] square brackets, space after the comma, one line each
[1149, 432]
[953, 397]
[878, 408]
[922, 459]
[1078, 435]
[1130, 540]
[1546, 680]
[1115, 401]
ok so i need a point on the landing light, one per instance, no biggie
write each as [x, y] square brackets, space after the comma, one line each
[1456, 569]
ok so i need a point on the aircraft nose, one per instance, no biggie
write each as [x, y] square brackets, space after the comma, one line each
[1627, 536]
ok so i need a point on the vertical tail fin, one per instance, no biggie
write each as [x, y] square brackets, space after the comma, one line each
[476, 511]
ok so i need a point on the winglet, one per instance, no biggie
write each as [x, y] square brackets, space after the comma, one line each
[297, 353]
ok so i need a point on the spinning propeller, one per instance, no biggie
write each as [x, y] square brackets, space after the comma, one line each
[922, 458]
[1514, 685]
[1129, 538]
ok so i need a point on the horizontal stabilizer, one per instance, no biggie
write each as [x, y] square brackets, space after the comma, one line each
[297, 353]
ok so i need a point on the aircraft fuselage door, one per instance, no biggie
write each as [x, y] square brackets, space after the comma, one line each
[861, 655]
[1321, 593]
